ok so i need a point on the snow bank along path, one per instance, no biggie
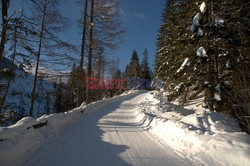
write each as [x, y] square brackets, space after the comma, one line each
[107, 133]
[201, 136]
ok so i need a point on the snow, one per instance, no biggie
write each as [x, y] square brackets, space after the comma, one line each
[109, 4]
[136, 128]
[200, 32]
[201, 52]
[106, 133]
[195, 27]
[178, 87]
[217, 95]
[195, 22]
[5, 70]
[18, 98]
[161, 49]
[218, 21]
[186, 63]
[203, 7]
[201, 136]
[6, 18]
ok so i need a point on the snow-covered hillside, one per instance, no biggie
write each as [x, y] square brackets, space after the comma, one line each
[137, 128]
[18, 98]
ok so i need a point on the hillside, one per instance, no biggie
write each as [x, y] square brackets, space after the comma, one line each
[18, 97]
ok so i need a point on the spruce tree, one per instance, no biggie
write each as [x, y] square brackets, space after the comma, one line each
[174, 47]
[134, 69]
[145, 71]
[204, 47]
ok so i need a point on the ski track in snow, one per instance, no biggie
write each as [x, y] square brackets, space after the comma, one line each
[108, 135]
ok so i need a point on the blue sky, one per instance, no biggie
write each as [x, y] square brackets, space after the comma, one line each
[141, 18]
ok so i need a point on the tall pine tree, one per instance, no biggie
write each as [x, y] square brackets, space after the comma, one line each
[145, 70]
[204, 47]
[134, 68]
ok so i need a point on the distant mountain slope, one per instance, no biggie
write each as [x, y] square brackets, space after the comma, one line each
[18, 98]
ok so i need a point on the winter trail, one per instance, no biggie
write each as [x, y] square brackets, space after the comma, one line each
[109, 135]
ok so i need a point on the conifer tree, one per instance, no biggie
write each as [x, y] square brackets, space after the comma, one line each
[134, 69]
[205, 53]
[126, 74]
[145, 71]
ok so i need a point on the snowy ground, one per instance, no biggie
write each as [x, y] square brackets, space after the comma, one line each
[132, 129]
[201, 136]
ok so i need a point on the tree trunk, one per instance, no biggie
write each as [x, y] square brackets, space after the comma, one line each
[5, 6]
[11, 68]
[79, 98]
[84, 33]
[38, 59]
[88, 94]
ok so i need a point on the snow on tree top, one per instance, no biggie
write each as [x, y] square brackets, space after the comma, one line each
[203, 7]
[201, 52]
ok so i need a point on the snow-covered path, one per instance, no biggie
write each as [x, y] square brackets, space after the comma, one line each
[109, 135]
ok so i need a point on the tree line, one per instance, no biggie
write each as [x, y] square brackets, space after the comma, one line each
[32, 36]
[69, 92]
